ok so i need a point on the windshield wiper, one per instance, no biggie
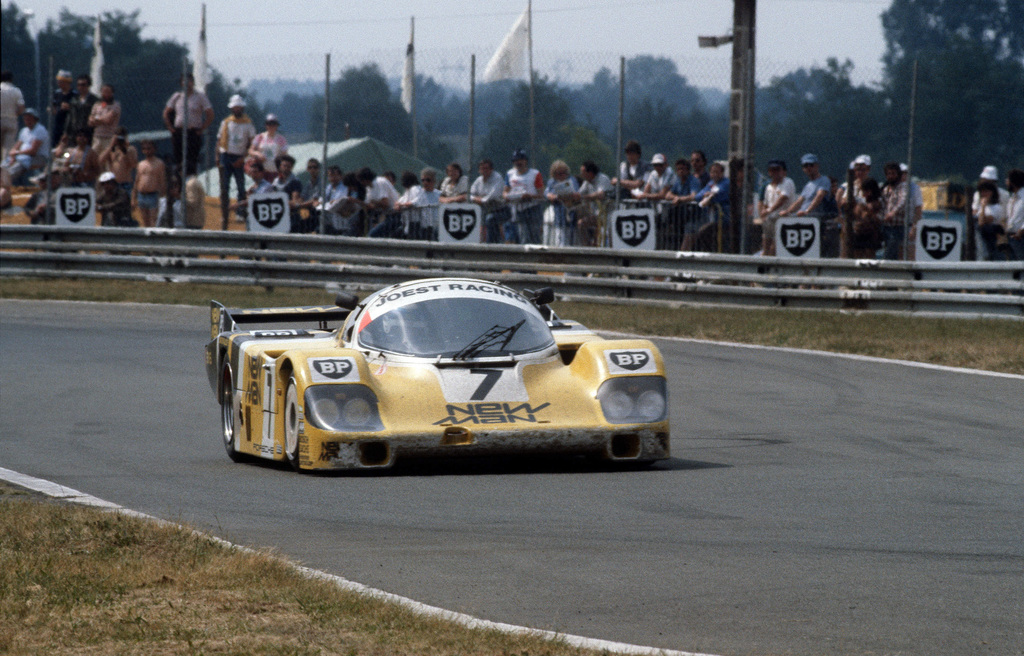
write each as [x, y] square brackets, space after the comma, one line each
[491, 337]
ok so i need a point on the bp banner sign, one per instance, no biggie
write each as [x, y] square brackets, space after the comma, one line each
[268, 212]
[938, 240]
[75, 206]
[798, 236]
[460, 224]
[633, 229]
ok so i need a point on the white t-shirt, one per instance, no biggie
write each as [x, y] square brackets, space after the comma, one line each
[773, 192]
[519, 184]
[382, 188]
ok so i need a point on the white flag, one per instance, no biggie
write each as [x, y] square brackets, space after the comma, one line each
[200, 70]
[509, 61]
[409, 76]
[96, 70]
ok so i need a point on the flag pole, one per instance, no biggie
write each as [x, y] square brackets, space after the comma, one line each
[412, 55]
[529, 43]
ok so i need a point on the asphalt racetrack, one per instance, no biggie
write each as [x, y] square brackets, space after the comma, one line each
[814, 504]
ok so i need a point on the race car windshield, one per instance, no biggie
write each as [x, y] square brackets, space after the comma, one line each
[453, 327]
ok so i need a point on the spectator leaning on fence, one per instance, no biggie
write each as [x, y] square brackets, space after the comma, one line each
[595, 190]
[524, 189]
[78, 163]
[200, 116]
[487, 191]
[686, 186]
[455, 186]
[113, 204]
[813, 197]
[894, 221]
[716, 191]
[633, 172]
[395, 223]
[990, 174]
[778, 195]
[150, 183]
[12, 106]
[1015, 212]
[423, 216]
[562, 192]
[29, 151]
[234, 137]
[991, 217]
[659, 181]
[699, 164]
[861, 171]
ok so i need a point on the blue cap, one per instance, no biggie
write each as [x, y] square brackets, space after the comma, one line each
[809, 159]
[519, 154]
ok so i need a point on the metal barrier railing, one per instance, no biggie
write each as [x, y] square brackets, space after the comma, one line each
[625, 276]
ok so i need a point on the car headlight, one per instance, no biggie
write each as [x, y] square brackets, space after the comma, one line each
[342, 408]
[633, 399]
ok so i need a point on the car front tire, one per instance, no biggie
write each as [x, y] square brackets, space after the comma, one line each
[291, 425]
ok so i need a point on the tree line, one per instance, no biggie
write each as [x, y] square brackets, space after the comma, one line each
[970, 63]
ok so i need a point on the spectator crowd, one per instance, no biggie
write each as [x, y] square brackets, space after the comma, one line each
[690, 196]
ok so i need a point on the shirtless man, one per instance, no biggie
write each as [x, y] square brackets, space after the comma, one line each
[79, 165]
[120, 158]
[150, 182]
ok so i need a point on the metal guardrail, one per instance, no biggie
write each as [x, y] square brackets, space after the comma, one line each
[970, 288]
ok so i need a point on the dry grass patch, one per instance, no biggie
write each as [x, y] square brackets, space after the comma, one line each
[990, 344]
[77, 580]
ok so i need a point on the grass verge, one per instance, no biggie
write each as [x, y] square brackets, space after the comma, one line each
[990, 344]
[78, 580]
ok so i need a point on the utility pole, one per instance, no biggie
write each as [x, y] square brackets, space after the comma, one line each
[741, 119]
[741, 114]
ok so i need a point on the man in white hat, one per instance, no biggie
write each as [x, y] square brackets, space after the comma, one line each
[233, 140]
[861, 166]
[114, 204]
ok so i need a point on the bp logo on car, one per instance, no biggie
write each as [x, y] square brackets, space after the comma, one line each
[635, 361]
[633, 229]
[333, 370]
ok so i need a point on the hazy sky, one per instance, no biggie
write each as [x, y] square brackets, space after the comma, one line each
[259, 38]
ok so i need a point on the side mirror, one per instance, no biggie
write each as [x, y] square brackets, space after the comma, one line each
[541, 296]
[346, 301]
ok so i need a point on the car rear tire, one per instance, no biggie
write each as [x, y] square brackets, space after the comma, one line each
[228, 416]
[291, 425]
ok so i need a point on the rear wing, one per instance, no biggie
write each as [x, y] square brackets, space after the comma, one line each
[223, 319]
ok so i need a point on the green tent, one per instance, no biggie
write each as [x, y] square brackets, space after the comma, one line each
[350, 155]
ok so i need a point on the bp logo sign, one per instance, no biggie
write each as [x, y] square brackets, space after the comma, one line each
[76, 206]
[460, 224]
[798, 237]
[268, 212]
[938, 240]
[633, 229]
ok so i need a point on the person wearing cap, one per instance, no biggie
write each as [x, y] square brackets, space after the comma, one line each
[30, 149]
[268, 145]
[12, 105]
[989, 174]
[60, 105]
[659, 181]
[113, 203]
[778, 195]
[199, 118]
[861, 167]
[818, 190]
[234, 137]
[524, 189]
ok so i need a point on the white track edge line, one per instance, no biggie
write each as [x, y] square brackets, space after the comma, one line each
[71, 495]
[833, 354]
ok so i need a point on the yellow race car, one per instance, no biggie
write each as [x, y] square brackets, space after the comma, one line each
[434, 367]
